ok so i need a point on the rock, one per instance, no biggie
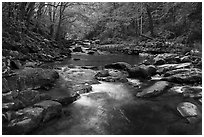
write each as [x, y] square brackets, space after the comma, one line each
[13, 105]
[102, 73]
[154, 90]
[146, 62]
[187, 76]
[32, 78]
[77, 49]
[65, 100]
[50, 108]
[185, 59]
[9, 96]
[5, 87]
[193, 92]
[167, 67]
[150, 69]
[24, 121]
[15, 64]
[165, 58]
[119, 65]
[89, 67]
[31, 64]
[82, 88]
[90, 52]
[138, 72]
[189, 111]
[159, 61]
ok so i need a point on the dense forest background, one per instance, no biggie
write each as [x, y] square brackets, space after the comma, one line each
[109, 22]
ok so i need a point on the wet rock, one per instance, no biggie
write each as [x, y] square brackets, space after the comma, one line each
[65, 100]
[150, 69]
[89, 67]
[5, 87]
[31, 64]
[82, 88]
[193, 92]
[167, 67]
[32, 78]
[50, 108]
[15, 64]
[90, 52]
[24, 121]
[189, 111]
[112, 79]
[102, 73]
[159, 61]
[9, 96]
[13, 105]
[77, 49]
[166, 58]
[187, 76]
[185, 59]
[119, 65]
[154, 90]
[138, 72]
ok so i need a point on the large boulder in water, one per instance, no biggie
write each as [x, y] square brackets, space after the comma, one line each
[184, 76]
[24, 121]
[154, 90]
[119, 65]
[32, 78]
[50, 108]
[139, 72]
[190, 112]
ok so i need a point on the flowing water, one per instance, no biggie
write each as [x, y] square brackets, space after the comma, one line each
[112, 108]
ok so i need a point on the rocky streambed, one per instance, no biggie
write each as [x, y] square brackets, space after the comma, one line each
[158, 96]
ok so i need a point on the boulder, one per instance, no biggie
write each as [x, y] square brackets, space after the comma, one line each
[13, 105]
[193, 92]
[119, 65]
[187, 76]
[185, 59]
[167, 67]
[166, 58]
[77, 49]
[159, 61]
[189, 111]
[50, 108]
[65, 100]
[5, 87]
[138, 72]
[102, 73]
[154, 90]
[24, 121]
[32, 78]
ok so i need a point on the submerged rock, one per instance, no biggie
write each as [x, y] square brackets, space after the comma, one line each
[189, 111]
[154, 90]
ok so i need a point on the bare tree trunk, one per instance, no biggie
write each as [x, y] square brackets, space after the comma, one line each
[151, 26]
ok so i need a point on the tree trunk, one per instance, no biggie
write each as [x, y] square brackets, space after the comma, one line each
[151, 26]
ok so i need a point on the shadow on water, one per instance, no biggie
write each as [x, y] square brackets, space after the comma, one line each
[100, 60]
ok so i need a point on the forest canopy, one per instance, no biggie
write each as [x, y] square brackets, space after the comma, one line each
[109, 21]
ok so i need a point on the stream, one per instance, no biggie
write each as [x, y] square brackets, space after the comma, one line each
[113, 109]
